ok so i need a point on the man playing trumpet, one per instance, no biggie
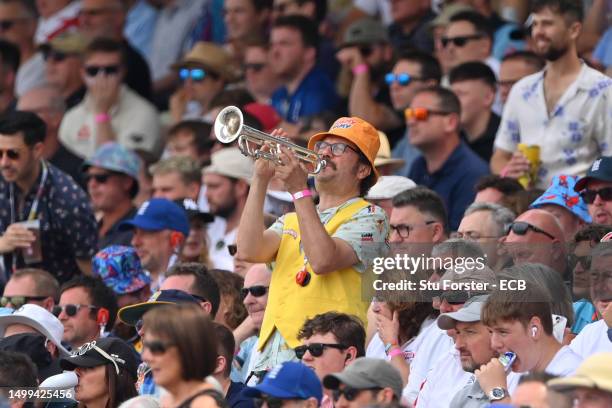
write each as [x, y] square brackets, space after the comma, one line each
[320, 251]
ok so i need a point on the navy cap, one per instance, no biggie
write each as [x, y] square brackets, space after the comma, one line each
[159, 214]
[601, 169]
[289, 380]
[132, 313]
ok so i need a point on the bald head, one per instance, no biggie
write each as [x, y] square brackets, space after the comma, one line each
[543, 220]
[258, 274]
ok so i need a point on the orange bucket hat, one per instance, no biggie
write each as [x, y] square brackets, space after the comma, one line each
[355, 130]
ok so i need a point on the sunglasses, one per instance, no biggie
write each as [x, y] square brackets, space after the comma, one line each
[316, 349]
[156, 347]
[521, 228]
[337, 149]
[12, 154]
[589, 195]
[255, 291]
[351, 393]
[196, 74]
[18, 301]
[402, 79]
[422, 114]
[55, 56]
[100, 178]
[271, 402]
[92, 346]
[70, 309]
[108, 70]
[460, 40]
[253, 66]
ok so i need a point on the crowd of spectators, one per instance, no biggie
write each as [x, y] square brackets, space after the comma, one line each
[454, 249]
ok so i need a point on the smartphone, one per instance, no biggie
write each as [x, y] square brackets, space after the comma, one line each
[507, 359]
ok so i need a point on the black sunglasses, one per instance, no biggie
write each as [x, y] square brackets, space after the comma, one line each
[156, 347]
[100, 178]
[93, 70]
[351, 393]
[255, 291]
[70, 309]
[271, 402]
[18, 301]
[316, 349]
[12, 154]
[55, 56]
[589, 195]
[460, 40]
[253, 66]
[521, 228]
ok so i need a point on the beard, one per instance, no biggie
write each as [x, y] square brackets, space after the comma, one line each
[469, 366]
[226, 209]
[553, 52]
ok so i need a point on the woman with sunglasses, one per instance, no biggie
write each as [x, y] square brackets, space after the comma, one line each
[106, 369]
[180, 348]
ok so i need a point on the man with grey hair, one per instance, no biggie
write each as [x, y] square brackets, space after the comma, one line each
[48, 103]
[485, 223]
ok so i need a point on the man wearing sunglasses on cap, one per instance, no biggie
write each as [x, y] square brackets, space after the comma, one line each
[110, 111]
[33, 190]
[596, 190]
[447, 165]
[536, 236]
[365, 382]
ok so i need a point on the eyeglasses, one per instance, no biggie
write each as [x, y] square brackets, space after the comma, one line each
[92, 346]
[337, 149]
[70, 309]
[108, 70]
[100, 178]
[460, 40]
[271, 402]
[156, 347]
[196, 74]
[471, 235]
[255, 291]
[316, 349]
[12, 154]
[422, 114]
[402, 79]
[403, 230]
[521, 228]
[351, 393]
[18, 301]
[6, 25]
[254, 66]
[589, 195]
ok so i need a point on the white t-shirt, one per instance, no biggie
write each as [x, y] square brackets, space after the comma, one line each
[30, 75]
[443, 381]
[592, 339]
[578, 130]
[376, 347]
[436, 344]
[564, 363]
[218, 241]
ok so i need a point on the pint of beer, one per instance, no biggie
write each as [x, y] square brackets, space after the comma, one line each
[532, 153]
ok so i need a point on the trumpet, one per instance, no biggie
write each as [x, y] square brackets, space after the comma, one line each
[229, 126]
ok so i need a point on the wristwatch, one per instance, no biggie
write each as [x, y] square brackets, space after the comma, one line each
[497, 393]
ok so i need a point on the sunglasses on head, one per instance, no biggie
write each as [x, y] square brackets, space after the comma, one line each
[460, 40]
[12, 154]
[196, 74]
[92, 346]
[255, 291]
[351, 393]
[589, 195]
[521, 228]
[422, 114]
[316, 349]
[93, 70]
[18, 301]
[70, 309]
[271, 402]
[337, 149]
[156, 347]
[402, 79]
[254, 66]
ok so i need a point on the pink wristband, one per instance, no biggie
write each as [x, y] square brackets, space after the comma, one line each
[396, 351]
[360, 69]
[301, 194]
[102, 118]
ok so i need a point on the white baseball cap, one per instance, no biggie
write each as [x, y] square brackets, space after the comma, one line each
[38, 318]
[230, 162]
[388, 187]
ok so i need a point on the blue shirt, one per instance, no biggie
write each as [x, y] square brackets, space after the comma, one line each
[139, 26]
[603, 50]
[454, 182]
[235, 397]
[584, 313]
[315, 95]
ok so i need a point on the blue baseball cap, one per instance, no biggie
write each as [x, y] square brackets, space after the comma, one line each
[159, 214]
[562, 192]
[132, 313]
[120, 268]
[601, 169]
[289, 380]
